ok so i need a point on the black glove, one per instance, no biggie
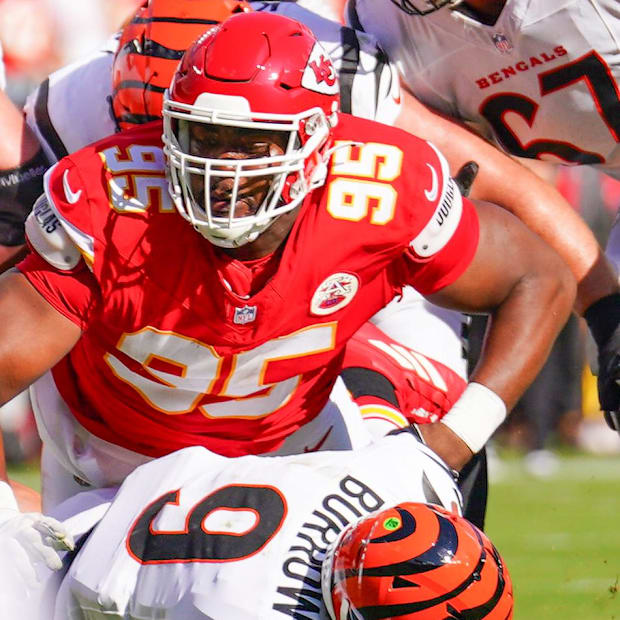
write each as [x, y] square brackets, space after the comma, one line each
[603, 318]
[465, 177]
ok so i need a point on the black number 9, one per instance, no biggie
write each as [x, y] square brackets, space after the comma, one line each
[195, 544]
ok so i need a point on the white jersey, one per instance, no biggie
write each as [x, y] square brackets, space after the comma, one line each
[195, 535]
[543, 81]
[71, 108]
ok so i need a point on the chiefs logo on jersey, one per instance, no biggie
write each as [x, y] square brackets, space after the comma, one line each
[319, 74]
[334, 293]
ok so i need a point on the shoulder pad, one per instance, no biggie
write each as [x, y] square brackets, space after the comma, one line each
[50, 240]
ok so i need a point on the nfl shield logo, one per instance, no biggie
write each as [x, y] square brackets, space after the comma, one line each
[244, 315]
[502, 43]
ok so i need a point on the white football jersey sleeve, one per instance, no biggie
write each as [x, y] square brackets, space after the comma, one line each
[196, 535]
[542, 81]
[71, 108]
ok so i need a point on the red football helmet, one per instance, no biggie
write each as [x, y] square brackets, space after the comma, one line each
[150, 48]
[423, 7]
[415, 561]
[257, 74]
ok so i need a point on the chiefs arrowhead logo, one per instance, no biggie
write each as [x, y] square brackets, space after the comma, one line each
[334, 293]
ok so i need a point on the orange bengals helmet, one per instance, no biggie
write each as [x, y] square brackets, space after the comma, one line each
[151, 45]
[415, 562]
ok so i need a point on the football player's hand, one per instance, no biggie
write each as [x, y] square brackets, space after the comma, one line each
[40, 537]
[603, 318]
[609, 382]
[446, 444]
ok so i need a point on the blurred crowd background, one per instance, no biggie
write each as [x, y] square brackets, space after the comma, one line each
[559, 412]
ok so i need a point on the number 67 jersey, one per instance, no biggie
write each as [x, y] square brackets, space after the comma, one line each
[184, 346]
[195, 535]
[543, 80]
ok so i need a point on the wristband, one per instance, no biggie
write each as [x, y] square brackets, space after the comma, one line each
[603, 317]
[7, 497]
[476, 415]
[19, 188]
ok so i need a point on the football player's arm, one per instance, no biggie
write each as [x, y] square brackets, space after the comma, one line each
[503, 181]
[34, 336]
[528, 292]
[22, 164]
[540, 206]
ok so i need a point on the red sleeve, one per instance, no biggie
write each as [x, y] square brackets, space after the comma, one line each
[445, 267]
[74, 293]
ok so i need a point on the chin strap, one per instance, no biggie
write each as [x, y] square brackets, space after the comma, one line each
[320, 172]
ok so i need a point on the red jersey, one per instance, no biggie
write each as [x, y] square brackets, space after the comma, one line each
[170, 355]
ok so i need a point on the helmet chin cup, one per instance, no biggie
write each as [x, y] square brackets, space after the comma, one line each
[228, 241]
[224, 237]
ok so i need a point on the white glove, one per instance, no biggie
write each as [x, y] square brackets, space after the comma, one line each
[41, 537]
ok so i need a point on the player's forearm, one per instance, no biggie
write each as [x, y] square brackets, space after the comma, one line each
[529, 292]
[34, 336]
[543, 209]
[531, 301]
[512, 357]
[505, 182]
[22, 165]
[523, 328]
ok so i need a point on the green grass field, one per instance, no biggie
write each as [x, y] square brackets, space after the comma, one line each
[559, 536]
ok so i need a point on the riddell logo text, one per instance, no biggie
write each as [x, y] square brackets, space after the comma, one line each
[505, 73]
